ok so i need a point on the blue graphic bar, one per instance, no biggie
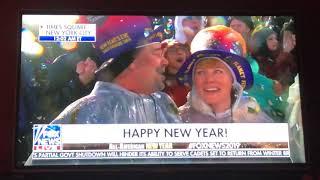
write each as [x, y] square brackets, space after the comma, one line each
[88, 39]
[46, 38]
[67, 38]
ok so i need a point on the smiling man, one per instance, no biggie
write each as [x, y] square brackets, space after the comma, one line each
[218, 72]
[129, 82]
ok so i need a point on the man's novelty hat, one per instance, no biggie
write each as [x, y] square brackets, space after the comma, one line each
[118, 35]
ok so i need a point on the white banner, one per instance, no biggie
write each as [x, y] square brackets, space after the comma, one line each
[143, 133]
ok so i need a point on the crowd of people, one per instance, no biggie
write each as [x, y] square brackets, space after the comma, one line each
[186, 69]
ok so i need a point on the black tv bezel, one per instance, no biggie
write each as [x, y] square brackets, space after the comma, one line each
[168, 168]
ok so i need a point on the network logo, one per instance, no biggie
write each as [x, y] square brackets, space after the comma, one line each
[47, 137]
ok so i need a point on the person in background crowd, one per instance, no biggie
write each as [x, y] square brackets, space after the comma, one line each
[186, 27]
[218, 73]
[56, 84]
[169, 29]
[288, 37]
[48, 88]
[275, 62]
[176, 53]
[71, 76]
[243, 25]
[156, 22]
[215, 20]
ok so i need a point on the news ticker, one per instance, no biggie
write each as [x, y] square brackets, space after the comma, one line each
[245, 153]
[163, 150]
[163, 146]
[153, 140]
[67, 33]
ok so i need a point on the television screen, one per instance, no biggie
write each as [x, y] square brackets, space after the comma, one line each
[133, 89]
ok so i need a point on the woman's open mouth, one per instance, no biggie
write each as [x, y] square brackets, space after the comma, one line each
[180, 60]
[212, 90]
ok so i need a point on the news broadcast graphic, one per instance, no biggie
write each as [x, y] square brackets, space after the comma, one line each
[47, 138]
[160, 141]
[128, 89]
[67, 33]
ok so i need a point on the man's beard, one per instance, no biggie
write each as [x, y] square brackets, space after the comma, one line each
[160, 85]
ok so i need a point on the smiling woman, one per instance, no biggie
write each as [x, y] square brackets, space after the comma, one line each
[213, 83]
[216, 97]
[218, 76]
